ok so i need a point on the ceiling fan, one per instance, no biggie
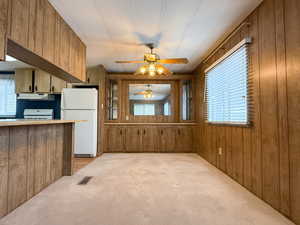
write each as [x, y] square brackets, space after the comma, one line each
[148, 93]
[153, 64]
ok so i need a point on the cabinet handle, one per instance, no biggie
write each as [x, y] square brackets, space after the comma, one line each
[52, 88]
[144, 132]
[120, 132]
[29, 87]
[88, 80]
[161, 132]
[36, 88]
[178, 132]
[138, 132]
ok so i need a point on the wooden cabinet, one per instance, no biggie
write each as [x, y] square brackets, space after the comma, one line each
[37, 81]
[149, 138]
[167, 139]
[19, 21]
[49, 32]
[115, 139]
[134, 139]
[42, 81]
[37, 27]
[65, 39]
[95, 75]
[3, 27]
[24, 80]
[184, 139]
[57, 85]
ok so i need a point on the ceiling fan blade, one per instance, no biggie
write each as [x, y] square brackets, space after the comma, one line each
[139, 93]
[174, 61]
[131, 61]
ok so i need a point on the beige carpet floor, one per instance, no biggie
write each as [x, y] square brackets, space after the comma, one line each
[146, 189]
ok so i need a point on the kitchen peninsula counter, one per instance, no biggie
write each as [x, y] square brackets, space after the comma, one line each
[22, 122]
[33, 155]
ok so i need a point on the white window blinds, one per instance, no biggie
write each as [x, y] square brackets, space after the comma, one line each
[227, 87]
[7, 96]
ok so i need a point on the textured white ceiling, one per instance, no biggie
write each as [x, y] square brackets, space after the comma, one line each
[114, 29]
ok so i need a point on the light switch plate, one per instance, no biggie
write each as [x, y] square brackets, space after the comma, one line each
[220, 151]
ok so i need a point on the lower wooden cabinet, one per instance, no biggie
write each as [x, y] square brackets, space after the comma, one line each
[184, 140]
[115, 139]
[169, 139]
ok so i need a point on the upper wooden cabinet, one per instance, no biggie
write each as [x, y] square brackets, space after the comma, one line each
[19, 21]
[37, 81]
[57, 84]
[49, 32]
[42, 81]
[24, 80]
[95, 75]
[3, 27]
[36, 26]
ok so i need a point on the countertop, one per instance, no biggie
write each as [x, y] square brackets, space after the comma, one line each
[25, 122]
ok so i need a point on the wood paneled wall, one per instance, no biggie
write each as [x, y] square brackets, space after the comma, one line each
[264, 158]
[31, 158]
[42, 37]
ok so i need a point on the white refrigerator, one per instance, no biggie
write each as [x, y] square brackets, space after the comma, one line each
[81, 104]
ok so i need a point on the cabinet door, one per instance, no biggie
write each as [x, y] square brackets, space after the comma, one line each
[3, 27]
[115, 139]
[184, 139]
[65, 40]
[49, 32]
[93, 75]
[42, 81]
[167, 139]
[23, 80]
[57, 84]
[82, 60]
[150, 139]
[133, 141]
[20, 21]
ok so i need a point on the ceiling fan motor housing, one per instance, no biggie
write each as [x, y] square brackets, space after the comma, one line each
[151, 57]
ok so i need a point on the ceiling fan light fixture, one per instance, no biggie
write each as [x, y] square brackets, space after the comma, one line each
[148, 94]
[160, 70]
[143, 70]
[152, 67]
[152, 73]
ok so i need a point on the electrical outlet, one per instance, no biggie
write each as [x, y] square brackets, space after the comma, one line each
[220, 151]
[127, 117]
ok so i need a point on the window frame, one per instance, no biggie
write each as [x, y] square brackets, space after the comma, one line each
[245, 42]
[11, 77]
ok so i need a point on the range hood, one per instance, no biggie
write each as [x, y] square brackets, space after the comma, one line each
[38, 97]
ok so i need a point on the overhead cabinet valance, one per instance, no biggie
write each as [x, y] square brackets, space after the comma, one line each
[34, 32]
